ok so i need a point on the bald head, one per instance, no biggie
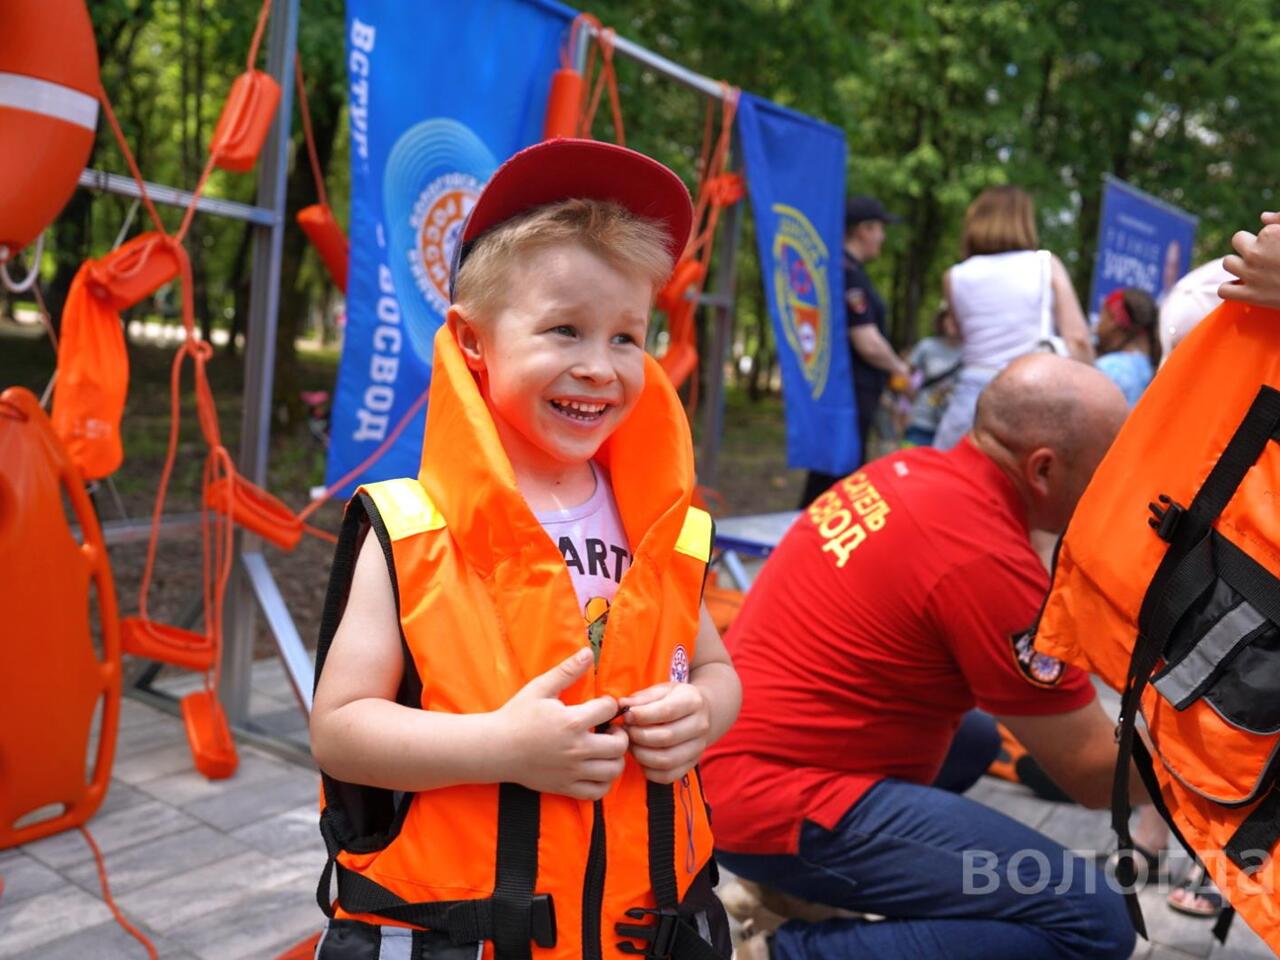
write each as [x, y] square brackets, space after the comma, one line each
[1042, 400]
[1048, 421]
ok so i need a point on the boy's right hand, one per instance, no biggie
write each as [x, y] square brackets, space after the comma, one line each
[553, 747]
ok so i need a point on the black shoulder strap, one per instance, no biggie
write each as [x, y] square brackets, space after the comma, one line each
[1185, 572]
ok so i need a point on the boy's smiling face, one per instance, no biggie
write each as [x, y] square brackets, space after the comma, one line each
[561, 361]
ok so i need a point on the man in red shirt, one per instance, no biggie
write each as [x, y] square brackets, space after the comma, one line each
[899, 600]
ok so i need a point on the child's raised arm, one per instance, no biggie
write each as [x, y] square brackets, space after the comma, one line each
[361, 735]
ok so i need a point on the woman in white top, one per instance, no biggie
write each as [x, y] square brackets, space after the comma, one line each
[1008, 298]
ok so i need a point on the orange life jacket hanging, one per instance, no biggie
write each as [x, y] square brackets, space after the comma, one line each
[1167, 585]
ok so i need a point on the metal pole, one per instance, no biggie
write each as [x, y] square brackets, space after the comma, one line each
[721, 334]
[260, 355]
[106, 182]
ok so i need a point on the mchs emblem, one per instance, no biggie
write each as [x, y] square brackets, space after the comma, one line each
[802, 294]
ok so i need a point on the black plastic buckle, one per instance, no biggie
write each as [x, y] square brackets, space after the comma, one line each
[1165, 516]
[542, 920]
[659, 935]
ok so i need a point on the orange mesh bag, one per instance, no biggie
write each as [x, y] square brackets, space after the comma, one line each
[53, 680]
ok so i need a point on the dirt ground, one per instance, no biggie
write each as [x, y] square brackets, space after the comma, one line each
[753, 476]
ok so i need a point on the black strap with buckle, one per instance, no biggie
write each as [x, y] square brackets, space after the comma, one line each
[665, 934]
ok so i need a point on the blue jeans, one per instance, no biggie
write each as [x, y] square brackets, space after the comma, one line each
[954, 878]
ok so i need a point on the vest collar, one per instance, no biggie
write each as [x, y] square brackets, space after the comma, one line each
[469, 477]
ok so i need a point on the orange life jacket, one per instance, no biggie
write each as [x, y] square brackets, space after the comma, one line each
[1166, 586]
[486, 604]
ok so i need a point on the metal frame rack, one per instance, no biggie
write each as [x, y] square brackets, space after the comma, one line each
[253, 588]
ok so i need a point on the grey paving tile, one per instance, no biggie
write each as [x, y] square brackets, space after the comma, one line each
[287, 721]
[262, 926]
[26, 877]
[134, 713]
[1242, 944]
[254, 800]
[138, 767]
[27, 924]
[1087, 832]
[120, 796]
[146, 863]
[285, 833]
[269, 678]
[108, 941]
[160, 732]
[179, 684]
[177, 901]
[189, 785]
[114, 831]
[1170, 930]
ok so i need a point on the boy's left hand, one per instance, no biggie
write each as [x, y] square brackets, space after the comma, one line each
[668, 725]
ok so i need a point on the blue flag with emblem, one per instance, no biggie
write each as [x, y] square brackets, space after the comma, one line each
[795, 177]
[440, 93]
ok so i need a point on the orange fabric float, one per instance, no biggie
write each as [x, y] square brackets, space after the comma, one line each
[678, 299]
[52, 682]
[248, 113]
[254, 509]
[1166, 585]
[564, 104]
[93, 365]
[133, 271]
[318, 223]
[48, 112]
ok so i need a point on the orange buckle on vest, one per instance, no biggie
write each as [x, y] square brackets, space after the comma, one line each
[245, 121]
[326, 236]
[255, 510]
[135, 270]
[208, 735]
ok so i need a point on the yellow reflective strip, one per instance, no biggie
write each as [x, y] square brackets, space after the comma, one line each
[695, 536]
[404, 507]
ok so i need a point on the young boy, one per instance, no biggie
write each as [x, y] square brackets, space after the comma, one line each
[515, 675]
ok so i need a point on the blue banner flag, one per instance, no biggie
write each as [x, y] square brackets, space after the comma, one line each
[440, 93]
[1142, 242]
[795, 176]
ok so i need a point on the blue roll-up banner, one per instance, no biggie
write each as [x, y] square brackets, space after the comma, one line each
[441, 91]
[795, 169]
[1142, 242]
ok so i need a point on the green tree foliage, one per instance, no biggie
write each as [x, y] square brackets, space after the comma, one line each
[938, 99]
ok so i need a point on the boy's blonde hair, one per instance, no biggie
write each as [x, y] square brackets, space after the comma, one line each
[999, 220]
[628, 243]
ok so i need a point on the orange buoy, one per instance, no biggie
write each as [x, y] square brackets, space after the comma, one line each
[245, 122]
[564, 104]
[326, 236]
[48, 113]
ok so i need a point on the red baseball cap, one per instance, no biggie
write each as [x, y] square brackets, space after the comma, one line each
[566, 168]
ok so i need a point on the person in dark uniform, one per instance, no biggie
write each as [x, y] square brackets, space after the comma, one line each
[874, 358]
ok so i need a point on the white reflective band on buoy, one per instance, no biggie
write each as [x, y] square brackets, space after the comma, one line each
[49, 99]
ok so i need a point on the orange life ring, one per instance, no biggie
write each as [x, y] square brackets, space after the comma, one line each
[48, 113]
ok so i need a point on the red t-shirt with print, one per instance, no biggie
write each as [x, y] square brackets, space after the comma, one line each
[897, 602]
